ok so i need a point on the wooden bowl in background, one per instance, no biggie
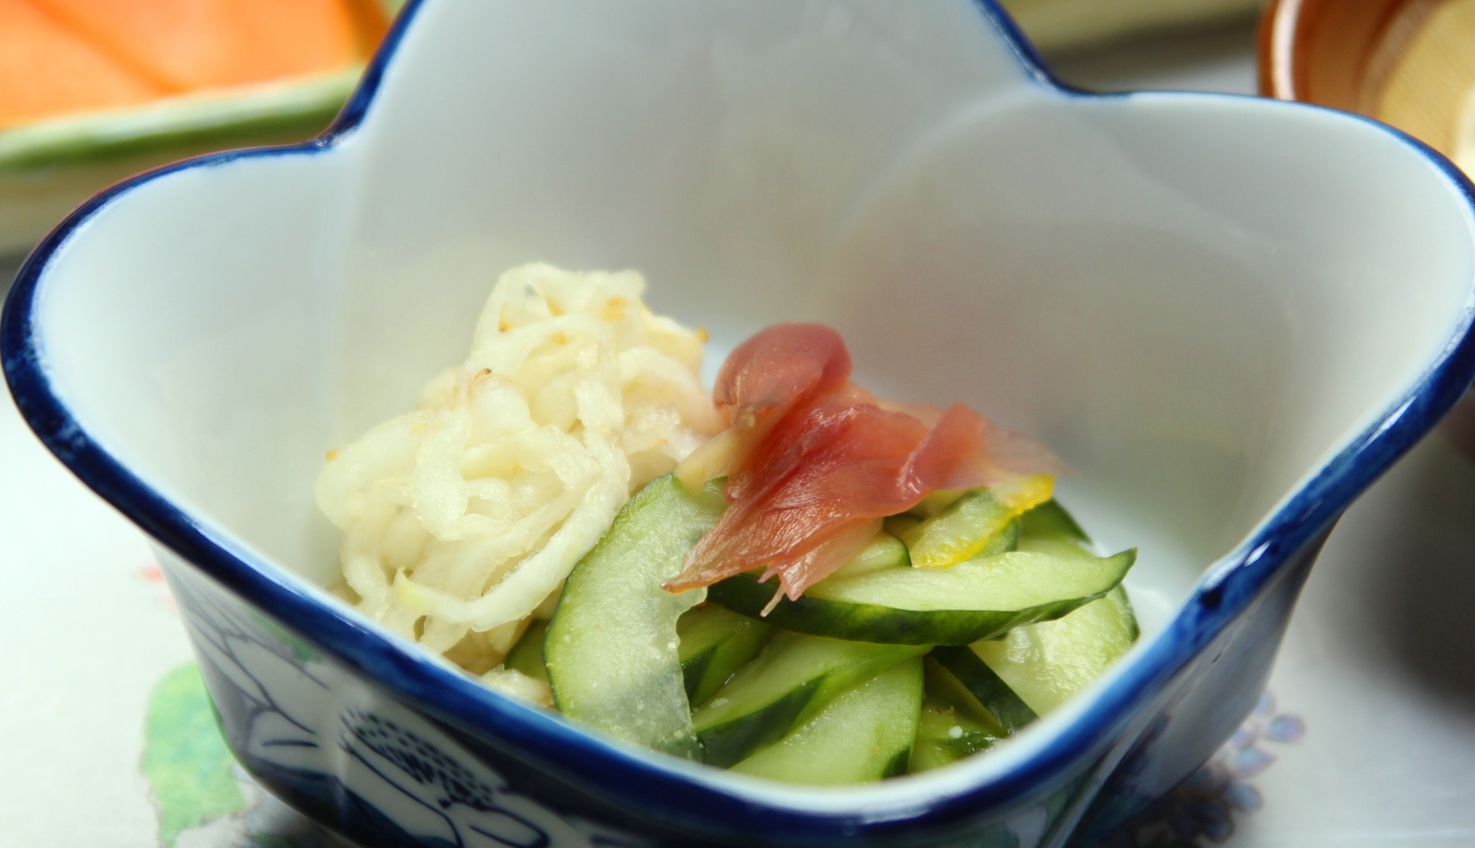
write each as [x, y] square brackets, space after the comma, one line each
[1407, 63]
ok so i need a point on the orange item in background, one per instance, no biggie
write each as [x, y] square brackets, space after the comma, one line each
[47, 70]
[188, 44]
[66, 56]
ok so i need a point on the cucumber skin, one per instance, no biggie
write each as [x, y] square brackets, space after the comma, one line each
[727, 658]
[643, 548]
[990, 690]
[858, 622]
[855, 622]
[1050, 520]
[729, 735]
[727, 744]
[1040, 687]
[948, 704]
[899, 762]
[725, 646]
[934, 750]
[692, 671]
[866, 733]
[936, 747]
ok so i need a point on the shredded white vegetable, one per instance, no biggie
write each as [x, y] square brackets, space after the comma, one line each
[466, 514]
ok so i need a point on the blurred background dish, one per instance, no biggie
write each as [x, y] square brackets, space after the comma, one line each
[1407, 63]
[93, 92]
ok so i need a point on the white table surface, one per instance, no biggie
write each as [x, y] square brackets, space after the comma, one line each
[1369, 739]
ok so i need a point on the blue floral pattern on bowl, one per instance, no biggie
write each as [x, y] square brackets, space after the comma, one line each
[377, 771]
[388, 776]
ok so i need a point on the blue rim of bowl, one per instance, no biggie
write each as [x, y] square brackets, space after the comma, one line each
[615, 777]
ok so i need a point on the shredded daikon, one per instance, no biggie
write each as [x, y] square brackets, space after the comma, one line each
[460, 519]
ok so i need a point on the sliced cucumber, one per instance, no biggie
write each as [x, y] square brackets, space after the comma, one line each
[978, 599]
[965, 528]
[953, 724]
[979, 681]
[714, 644]
[885, 551]
[935, 502]
[1047, 663]
[1004, 541]
[1050, 521]
[611, 648]
[864, 734]
[791, 680]
[527, 655]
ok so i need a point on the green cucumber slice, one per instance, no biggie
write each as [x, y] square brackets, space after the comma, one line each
[527, 655]
[791, 680]
[864, 734]
[978, 599]
[1049, 662]
[935, 502]
[884, 551]
[715, 643]
[985, 686]
[611, 648]
[965, 528]
[1004, 541]
[952, 726]
[1050, 521]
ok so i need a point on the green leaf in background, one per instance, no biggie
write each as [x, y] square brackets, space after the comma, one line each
[184, 759]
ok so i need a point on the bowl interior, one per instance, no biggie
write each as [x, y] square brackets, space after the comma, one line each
[1196, 300]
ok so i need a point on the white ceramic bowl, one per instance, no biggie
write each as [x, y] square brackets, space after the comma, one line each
[1229, 315]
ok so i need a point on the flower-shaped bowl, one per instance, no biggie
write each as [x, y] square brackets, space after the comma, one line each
[1229, 315]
